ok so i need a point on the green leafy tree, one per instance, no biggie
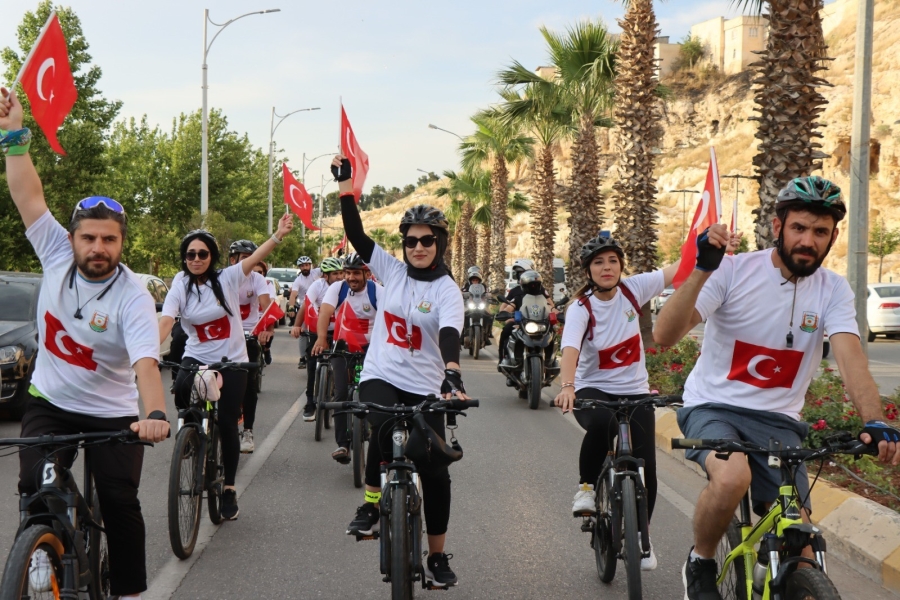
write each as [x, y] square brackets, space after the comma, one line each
[883, 241]
[690, 53]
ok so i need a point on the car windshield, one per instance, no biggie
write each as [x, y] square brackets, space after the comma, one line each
[18, 300]
[559, 275]
[283, 276]
[889, 291]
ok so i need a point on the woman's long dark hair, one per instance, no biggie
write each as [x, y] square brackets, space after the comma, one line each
[212, 273]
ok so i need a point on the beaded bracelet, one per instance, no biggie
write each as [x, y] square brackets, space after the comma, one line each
[15, 143]
[568, 384]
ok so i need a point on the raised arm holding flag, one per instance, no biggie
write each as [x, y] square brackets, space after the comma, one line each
[708, 213]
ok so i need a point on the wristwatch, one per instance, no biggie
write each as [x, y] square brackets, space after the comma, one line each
[158, 415]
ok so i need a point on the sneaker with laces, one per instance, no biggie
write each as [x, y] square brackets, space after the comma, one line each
[650, 563]
[342, 455]
[229, 505]
[699, 578]
[39, 571]
[247, 445]
[438, 572]
[366, 521]
[309, 413]
[585, 500]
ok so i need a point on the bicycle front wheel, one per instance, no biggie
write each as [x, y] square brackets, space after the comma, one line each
[401, 556]
[98, 554]
[321, 399]
[184, 493]
[604, 553]
[631, 539]
[810, 584]
[215, 474]
[358, 452]
[734, 585]
[329, 397]
[45, 581]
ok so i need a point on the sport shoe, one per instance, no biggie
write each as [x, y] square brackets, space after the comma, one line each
[302, 363]
[39, 571]
[367, 520]
[229, 505]
[309, 412]
[438, 572]
[267, 356]
[247, 445]
[650, 563]
[342, 455]
[585, 500]
[699, 578]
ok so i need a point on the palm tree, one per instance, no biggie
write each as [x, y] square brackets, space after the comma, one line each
[460, 212]
[500, 143]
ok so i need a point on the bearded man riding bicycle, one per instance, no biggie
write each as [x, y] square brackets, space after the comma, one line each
[766, 314]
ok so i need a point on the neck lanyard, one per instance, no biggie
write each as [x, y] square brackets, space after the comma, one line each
[99, 295]
[412, 307]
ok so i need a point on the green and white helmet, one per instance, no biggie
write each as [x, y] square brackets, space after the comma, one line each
[811, 192]
[331, 265]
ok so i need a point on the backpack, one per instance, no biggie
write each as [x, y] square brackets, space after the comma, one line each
[589, 334]
[345, 289]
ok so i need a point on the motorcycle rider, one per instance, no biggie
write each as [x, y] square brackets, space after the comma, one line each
[298, 292]
[528, 285]
[473, 277]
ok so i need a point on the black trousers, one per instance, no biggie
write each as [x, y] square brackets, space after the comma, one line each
[251, 396]
[602, 427]
[435, 481]
[341, 388]
[311, 363]
[117, 475]
[176, 349]
[504, 337]
[229, 407]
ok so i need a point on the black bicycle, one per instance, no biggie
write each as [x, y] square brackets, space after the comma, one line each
[619, 526]
[197, 465]
[260, 363]
[401, 495]
[357, 427]
[60, 549]
[323, 392]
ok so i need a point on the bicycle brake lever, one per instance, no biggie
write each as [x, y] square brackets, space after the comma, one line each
[723, 455]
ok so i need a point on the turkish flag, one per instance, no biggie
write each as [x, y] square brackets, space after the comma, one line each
[245, 311]
[350, 328]
[764, 367]
[359, 160]
[61, 345]
[312, 316]
[708, 212]
[271, 316]
[48, 83]
[339, 246]
[397, 334]
[220, 329]
[296, 196]
[622, 354]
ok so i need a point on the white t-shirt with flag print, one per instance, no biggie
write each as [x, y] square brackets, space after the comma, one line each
[362, 321]
[85, 365]
[744, 359]
[253, 287]
[314, 297]
[302, 283]
[613, 361]
[212, 332]
[411, 313]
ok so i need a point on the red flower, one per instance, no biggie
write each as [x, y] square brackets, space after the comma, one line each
[891, 416]
[677, 367]
[820, 425]
[829, 370]
[651, 350]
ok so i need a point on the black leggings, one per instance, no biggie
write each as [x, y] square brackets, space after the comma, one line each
[251, 395]
[435, 481]
[229, 406]
[601, 430]
[117, 475]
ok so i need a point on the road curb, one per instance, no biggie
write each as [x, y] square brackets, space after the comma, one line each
[861, 532]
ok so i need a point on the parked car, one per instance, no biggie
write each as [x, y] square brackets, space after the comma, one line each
[883, 309]
[280, 299]
[158, 289]
[285, 278]
[18, 339]
[657, 303]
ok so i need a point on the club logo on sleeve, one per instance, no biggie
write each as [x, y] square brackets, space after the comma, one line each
[630, 314]
[99, 322]
[622, 354]
[810, 322]
[398, 335]
[61, 345]
[220, 329]
[764, 367]
[245, 311]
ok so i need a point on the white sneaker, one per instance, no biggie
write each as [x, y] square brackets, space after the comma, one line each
[247, 446]
[39, 571]
[650, 563]
[585, 500]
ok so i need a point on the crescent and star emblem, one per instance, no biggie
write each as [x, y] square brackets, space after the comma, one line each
[61, 335]
[754, 363]
[615, 358]
[395, 336]
[301, 204]
[348, 148]
[47, 64]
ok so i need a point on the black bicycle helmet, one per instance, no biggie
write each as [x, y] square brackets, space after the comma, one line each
[242, 247]
[423, 214]
[812, 192]
[531, 282]
[354, 262]
[598, 244]
[207, 238]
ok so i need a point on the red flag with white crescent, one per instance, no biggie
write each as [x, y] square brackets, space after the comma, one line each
[61, 345]
[48, 82]
[359, 160]
[350, 328]
[340, 246]
[271, 316]
[764, 367]
[709, 211]
[622, 354]
[218, 329]
[296, 196]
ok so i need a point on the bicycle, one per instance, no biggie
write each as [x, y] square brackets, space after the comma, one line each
[357, 427]
[197, 466]
[400, 532]
[260, 363]
[781, 534]
[64, 524]
[619, 526]
[323, 392]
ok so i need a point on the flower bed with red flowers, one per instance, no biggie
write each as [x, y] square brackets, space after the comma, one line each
[669, 367]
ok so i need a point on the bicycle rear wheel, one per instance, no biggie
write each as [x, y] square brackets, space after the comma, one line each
[321, 399]
[329, 397]
[215, 474]
[98, 554]
[401, 556]
[358, 451]
[631, 539]
[734, 585]
[810, 584]
[604, 553]
[184, 493]
[45, 582]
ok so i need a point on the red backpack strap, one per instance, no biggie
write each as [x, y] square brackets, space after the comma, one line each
[627, 293]
[585, 301]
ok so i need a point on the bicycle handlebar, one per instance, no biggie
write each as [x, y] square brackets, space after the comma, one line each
[657, 401]
[124, 436]
[219, 366]
[453, 404]
[851, 447]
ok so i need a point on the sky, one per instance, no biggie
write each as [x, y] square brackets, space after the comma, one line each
[398, 65]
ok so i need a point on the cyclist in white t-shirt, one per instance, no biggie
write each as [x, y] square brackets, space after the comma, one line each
[414, 351]
[263, 269]
[208, 300]
[603, 321]
[298, 292]
[97, 332]
[766, 314]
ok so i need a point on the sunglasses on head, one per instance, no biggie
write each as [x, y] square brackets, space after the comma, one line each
[427, 241]
[194, 254]
[95, 201]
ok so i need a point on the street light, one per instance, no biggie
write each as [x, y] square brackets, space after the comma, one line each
[684, 194]
[204, 142]
[737, 192]
[311, 161]
[272, 127]
[430, 126]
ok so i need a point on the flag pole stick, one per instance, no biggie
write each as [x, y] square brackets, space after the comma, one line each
[341, 125]
[27, 60]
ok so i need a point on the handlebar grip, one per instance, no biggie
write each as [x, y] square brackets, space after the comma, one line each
[686, 443]
[457, 404]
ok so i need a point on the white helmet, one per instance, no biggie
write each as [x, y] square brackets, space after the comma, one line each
[520, 266]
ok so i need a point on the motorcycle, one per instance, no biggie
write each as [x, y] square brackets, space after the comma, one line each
[478, 316]
[529, 343]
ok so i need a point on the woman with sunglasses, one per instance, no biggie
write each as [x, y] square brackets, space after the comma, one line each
[208, 300]
[413, 352]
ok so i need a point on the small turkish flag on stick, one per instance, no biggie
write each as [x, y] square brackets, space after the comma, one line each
[296, 196]
[359, 160]
[271, 316]
[709, 210]
[47, 81]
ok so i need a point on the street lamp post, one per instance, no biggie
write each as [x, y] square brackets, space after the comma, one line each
[204, 126]
[684, 194]
[272, 127]
[322, 210]
[737, 191]
[430, 126]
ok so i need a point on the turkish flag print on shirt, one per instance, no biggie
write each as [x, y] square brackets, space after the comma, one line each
[61, 345]
[397, 333]
[764, 367]
[359, 160]
[622, 354]
[296, 196]
[48, 83]
[220, 329]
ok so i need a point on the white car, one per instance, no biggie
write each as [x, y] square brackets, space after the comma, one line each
[158, 289]
[883, 309]
[285, 278]
[658, 302]
[278, 297]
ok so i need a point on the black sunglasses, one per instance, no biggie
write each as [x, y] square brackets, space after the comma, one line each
[426, 240]
[194, 254]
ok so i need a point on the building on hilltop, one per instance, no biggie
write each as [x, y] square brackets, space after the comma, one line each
[730, 43]
[666, 55]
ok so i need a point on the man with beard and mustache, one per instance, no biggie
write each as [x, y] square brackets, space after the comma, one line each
[97, 330]
[766, 314]
[308, 275]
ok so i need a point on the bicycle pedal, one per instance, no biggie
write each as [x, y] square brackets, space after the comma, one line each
[362, 538]
[583, 514]
[430, 585]
[587, 526]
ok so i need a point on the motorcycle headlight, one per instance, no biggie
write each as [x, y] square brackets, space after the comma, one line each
[471, 305]
[9, 354]
[481, 306]
[532, 327]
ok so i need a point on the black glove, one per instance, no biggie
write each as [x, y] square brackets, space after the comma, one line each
[344, 173]
[708, 256]
[452, 382]
[881, 431]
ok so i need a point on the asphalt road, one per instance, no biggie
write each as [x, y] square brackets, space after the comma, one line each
[511, 530]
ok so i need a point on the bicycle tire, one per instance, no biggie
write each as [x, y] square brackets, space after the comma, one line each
[215, 473]
[810, 584]
[321, 374]
[734, 585]
[184, 504]
[604, 554]
[358, 450]
[15, 584]
[329, 397]
[476, 341]
[401, 558]
[98, 554]
[535, 381]
[631, 551]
